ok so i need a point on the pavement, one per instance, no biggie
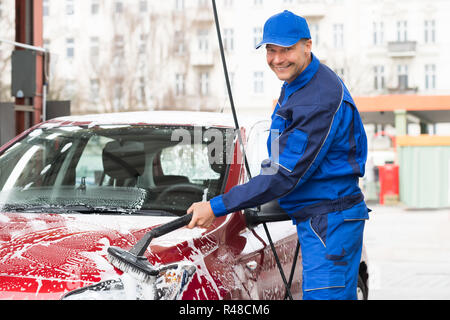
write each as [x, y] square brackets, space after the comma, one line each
[408, 253]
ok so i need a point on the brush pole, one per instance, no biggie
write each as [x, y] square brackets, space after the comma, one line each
[140, 247]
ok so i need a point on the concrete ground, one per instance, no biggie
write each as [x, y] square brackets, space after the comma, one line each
[408, 253]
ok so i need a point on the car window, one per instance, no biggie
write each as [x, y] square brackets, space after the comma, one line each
[114, 168]
[257, 145]
[188, 160]
[89, 169]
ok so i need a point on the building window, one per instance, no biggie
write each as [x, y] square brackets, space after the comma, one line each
[118, 97]
[430, 76]
[378, 33]
[142, 47]
[257, 36]
[338, 35]
[314, 28]
[228, 3]
[204, 83]
[45, 8]
[258, 3]
[258, 82]
[179, 5]
[141, 95]
[119, 49]
[94, 95]
[69, 90]
[402, 71]
[179, 42]
[95, 6]
[203, 3]
[378, 77]
[203, 43]
[94, 49]
[228, 39]
[143, 6]
[70, 10]
[402, 31]
[180, 89]
[118, 7]
[430, 31]
[70, 47]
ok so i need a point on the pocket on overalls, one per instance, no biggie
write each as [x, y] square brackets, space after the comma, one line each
[294, 149]
[319, 280]
[346, 231]
[317, 275]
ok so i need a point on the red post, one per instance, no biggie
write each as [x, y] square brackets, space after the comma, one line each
[38, 41]
[389, 181]
[21, 36]
[29, 30]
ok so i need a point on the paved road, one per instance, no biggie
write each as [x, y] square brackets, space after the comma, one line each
[409, 253]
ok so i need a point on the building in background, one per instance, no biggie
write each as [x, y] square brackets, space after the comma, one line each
[129, 55]
[7, 33]
[119, 55]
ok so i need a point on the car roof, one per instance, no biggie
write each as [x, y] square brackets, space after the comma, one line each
[207, 119]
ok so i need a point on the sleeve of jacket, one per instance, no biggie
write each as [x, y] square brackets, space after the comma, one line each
[302, 146]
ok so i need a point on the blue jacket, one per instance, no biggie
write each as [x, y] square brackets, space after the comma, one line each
[317, 148]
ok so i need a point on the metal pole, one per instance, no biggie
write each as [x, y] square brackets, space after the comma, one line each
[233, 109]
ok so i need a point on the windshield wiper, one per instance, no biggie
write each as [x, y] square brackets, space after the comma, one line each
[25, 208]
[86, 209]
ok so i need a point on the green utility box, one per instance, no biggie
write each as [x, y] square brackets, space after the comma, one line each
[424, 173]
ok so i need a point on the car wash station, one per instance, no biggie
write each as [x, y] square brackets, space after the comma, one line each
[402, 165]
[407, 173]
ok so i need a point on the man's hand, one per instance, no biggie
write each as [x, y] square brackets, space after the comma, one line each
[203, 216]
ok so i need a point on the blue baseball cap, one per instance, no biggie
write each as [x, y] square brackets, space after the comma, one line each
[285, 29]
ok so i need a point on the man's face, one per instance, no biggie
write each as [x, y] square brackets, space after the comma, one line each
[289, 62]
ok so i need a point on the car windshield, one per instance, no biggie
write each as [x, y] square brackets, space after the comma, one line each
[124, 169]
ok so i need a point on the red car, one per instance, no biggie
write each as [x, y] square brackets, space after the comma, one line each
[74, 186]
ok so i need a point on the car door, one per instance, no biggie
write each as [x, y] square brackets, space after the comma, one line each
[263, 278]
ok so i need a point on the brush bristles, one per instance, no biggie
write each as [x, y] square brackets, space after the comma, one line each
[138, 267]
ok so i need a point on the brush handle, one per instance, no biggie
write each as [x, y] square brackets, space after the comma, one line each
[172, 225]
[140, 247]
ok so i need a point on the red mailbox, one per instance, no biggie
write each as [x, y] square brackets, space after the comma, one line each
[389, 181]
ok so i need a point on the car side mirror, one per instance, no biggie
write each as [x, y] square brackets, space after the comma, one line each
[269, 212]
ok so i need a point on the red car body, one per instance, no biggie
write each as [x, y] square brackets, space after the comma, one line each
[45, 254]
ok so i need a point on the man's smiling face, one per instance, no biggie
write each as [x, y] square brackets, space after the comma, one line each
[289, 62]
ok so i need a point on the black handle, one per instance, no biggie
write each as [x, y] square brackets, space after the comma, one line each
[140, 247]
[172, 225]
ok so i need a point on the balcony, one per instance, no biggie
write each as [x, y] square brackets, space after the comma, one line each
[402, 49]
[202, 58]
[311, 9]
[203, 14]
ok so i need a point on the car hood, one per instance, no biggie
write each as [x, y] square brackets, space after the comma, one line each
[42, 256]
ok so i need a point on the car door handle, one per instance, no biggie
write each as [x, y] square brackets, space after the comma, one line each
[252, 265]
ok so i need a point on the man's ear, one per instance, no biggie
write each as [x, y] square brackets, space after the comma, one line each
[308, 46]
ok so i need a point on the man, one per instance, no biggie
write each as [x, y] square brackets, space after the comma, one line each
[322, 150]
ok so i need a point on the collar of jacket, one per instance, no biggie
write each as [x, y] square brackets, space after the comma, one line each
[302, 79]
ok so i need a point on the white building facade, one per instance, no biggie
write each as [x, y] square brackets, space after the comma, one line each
[118, 55]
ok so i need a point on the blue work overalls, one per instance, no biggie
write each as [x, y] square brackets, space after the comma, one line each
[317, 152]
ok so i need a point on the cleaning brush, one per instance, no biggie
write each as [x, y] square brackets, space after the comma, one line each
[133, 261]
